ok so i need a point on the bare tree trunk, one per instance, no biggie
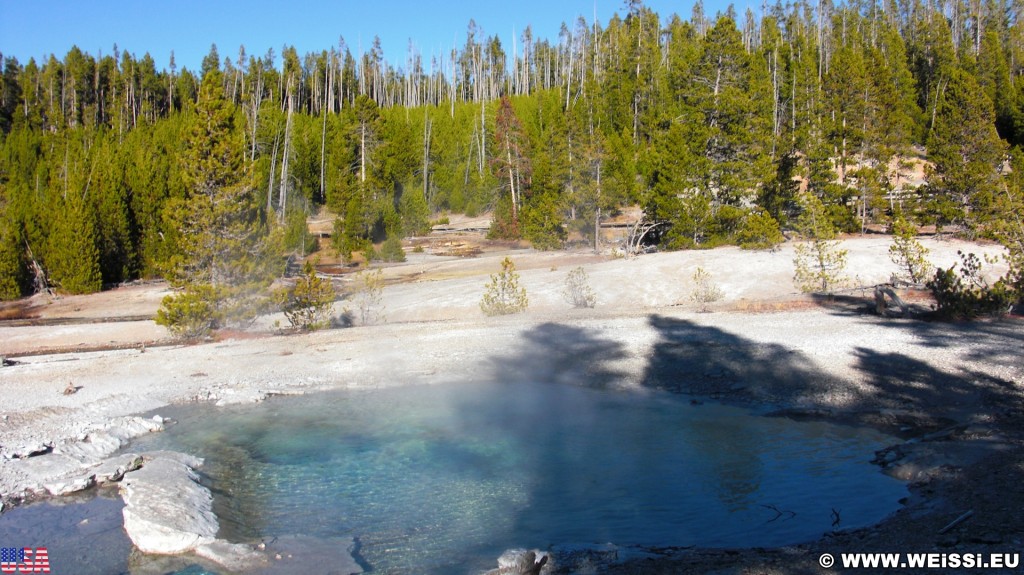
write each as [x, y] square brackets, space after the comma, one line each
[323, 143]
[285, 158]
[483, 138]
[776, 120]
[362, 154]
[511, 181]
[568, 77]
[257, 101]
[426, 159]
[842, 156]
[270, 182]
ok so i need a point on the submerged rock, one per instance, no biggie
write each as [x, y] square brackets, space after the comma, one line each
[302, 554]
[520, 562]
[166, 510]
[233, 556]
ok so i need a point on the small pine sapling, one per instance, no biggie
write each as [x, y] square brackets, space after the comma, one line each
[820, 264]
[705, 292]
[367, 295]
[577, 289]
[307, 305]
[503, 295]
[907, 253]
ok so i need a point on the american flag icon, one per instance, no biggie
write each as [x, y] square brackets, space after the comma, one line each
[20, 559]
[12, 555]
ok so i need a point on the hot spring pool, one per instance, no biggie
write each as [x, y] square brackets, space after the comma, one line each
[443, 478]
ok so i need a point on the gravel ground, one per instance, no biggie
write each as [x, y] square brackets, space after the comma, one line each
[952, 391]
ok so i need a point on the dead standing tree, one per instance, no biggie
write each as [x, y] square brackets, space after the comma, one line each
[636, 233]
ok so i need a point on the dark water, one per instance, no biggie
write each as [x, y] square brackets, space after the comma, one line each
[442, 479]
[82, 535]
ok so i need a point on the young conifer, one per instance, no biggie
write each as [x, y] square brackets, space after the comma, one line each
[503, 295]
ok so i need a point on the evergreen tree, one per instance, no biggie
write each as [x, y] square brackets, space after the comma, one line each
[307, 305]
[227, 256]
[733, 99]
[819, 262]
[13, 267]
[967, 154]
[504, 296]
[73, 259]
[907, 253]
[705, 124]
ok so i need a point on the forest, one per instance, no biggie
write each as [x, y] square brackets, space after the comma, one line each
[724, 128]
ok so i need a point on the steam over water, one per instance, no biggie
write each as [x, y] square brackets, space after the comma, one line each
[443, 478]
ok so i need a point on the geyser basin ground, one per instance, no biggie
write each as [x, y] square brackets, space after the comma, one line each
[443, 478]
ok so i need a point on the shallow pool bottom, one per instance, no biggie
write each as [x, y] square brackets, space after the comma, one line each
[443, 478]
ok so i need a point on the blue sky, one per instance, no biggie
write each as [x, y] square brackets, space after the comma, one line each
[37, 28]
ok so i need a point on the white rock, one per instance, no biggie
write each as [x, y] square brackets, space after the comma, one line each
[185, 459]
[95, 446]
[113, 469]
[98, 444]
[130, 427]
[27, 451]
[38, 471]
[166, 510]
[70, 485]
[240, 396]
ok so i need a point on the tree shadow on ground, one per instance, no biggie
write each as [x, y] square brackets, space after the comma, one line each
[698, 359]
[898, 381]
[692, 358]
[556, 353]
[862, 303]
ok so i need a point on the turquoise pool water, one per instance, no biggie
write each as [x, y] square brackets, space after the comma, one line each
[443, 478]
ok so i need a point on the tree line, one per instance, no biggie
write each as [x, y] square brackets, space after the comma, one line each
[722, 128]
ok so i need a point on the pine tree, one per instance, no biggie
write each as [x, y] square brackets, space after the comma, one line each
[577, 289]
[504, 296]
[819, 262]
[307, 305]
[907, 253]
[73, 258]
[733, 99]
[967, 154]
[227, 257]
[705, 291]
[13, 267]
